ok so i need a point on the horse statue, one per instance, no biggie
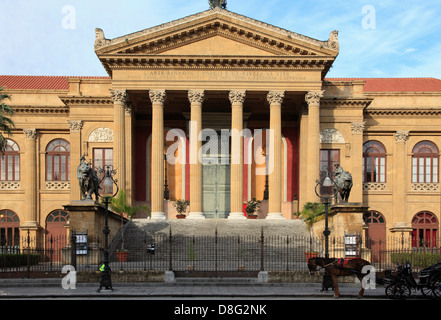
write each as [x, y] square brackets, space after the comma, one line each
[88, 180]
[342, 183]
[340, 267]
[218, 3]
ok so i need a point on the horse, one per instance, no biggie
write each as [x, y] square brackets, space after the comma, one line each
[335, 269]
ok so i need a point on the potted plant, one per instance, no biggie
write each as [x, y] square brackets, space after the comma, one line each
[311, 213]
[252, 207]
[181, 208]
[120, 205]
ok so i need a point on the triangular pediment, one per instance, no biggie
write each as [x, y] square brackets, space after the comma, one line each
[214, 33]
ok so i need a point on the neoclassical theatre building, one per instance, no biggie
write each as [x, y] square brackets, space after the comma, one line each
[222, 73]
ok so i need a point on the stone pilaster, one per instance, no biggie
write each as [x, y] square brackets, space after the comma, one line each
[399, 197]
[237, 98]
[75, 127]
[30, 181]
[129, 156]
[313, 149]
[357, 162]
[196, 98]
[157, 98]
[119, 158]
[275, 99]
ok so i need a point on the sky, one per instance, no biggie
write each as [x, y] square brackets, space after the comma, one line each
[387, 38]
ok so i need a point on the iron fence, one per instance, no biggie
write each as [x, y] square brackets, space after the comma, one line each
[214, 254]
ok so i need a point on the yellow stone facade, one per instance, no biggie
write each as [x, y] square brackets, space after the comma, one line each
[218, 68]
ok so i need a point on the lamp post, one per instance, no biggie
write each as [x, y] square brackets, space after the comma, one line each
[325, 182]
[107, 182]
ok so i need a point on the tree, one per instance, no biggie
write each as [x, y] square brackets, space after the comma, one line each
[120, 205]
[6, 122]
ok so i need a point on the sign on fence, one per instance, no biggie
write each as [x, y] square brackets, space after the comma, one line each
[81, 243]
[352, 245]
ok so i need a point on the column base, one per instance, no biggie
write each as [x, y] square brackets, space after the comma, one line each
[236, 215]
[158, 216]
[275, 215]
[196, 215]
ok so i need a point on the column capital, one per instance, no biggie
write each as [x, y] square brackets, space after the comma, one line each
[313, 97]
[275, 97]
[401, 136]
[237, 96]
[75, 125]
[128, 107]
[157, 96]
[31, 134]
[119, 96]
[196, 96]
[358, 127]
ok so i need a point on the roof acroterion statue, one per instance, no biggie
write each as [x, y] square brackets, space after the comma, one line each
[218, 3]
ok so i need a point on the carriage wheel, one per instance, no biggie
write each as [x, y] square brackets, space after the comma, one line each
[398, 291]
[436, 287]
[427, 291]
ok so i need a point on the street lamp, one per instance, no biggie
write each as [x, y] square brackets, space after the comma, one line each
[107, 182]
[325, 182]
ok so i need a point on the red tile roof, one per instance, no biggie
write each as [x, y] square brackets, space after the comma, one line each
[397, 84]
[372, 84]
[39, 82]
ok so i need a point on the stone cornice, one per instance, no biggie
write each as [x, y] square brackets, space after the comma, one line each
[102, 44]
[40, 109]
[404, 111]
[82, 100]
[345, 103]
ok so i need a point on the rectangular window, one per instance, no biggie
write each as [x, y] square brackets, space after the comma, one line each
[101, 158]
[328, 157]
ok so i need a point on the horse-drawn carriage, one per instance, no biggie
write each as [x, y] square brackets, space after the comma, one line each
[401, 284]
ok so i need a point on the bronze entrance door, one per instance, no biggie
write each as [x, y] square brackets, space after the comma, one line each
[216, 190]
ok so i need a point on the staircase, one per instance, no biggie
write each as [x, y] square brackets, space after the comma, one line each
[214, 246]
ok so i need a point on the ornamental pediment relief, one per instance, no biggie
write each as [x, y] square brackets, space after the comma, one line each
[188, 35]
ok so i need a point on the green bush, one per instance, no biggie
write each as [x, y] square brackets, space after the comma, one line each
[416, 259]
[18, 260]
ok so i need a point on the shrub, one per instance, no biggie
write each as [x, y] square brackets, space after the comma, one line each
[18, 260]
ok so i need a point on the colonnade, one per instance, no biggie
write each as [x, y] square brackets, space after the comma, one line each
[237, 99]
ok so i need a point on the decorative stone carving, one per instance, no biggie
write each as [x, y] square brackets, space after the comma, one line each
[374, 186]
[425, 187]
[75, 125]
[237, 96]
[275, 96]
[157, 96]
[102, 134]
[57, 185]
[196, 96]
[119, 96]
[331, 136]
[401, 136]
[357, 127]
[100, 40]
[128, 108]
[10, 185]
[30, 133]
[312, 98]
[218, 3]
[333, 40]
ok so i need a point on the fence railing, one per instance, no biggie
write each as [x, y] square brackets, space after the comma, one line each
[215, 253]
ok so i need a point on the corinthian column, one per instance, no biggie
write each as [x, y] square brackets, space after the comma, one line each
[196, 98]
[275, 99]
[158, 98]
[29, 177]
[237, 98]
[119, 102]
[313, 149]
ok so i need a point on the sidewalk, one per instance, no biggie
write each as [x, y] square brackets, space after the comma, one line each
[52, 288]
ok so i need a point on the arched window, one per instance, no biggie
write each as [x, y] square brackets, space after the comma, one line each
[58, 160]
[10, 162]
[375, 233]
[425, 163]
[425, 229]
[9, 231]
[374, 162]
